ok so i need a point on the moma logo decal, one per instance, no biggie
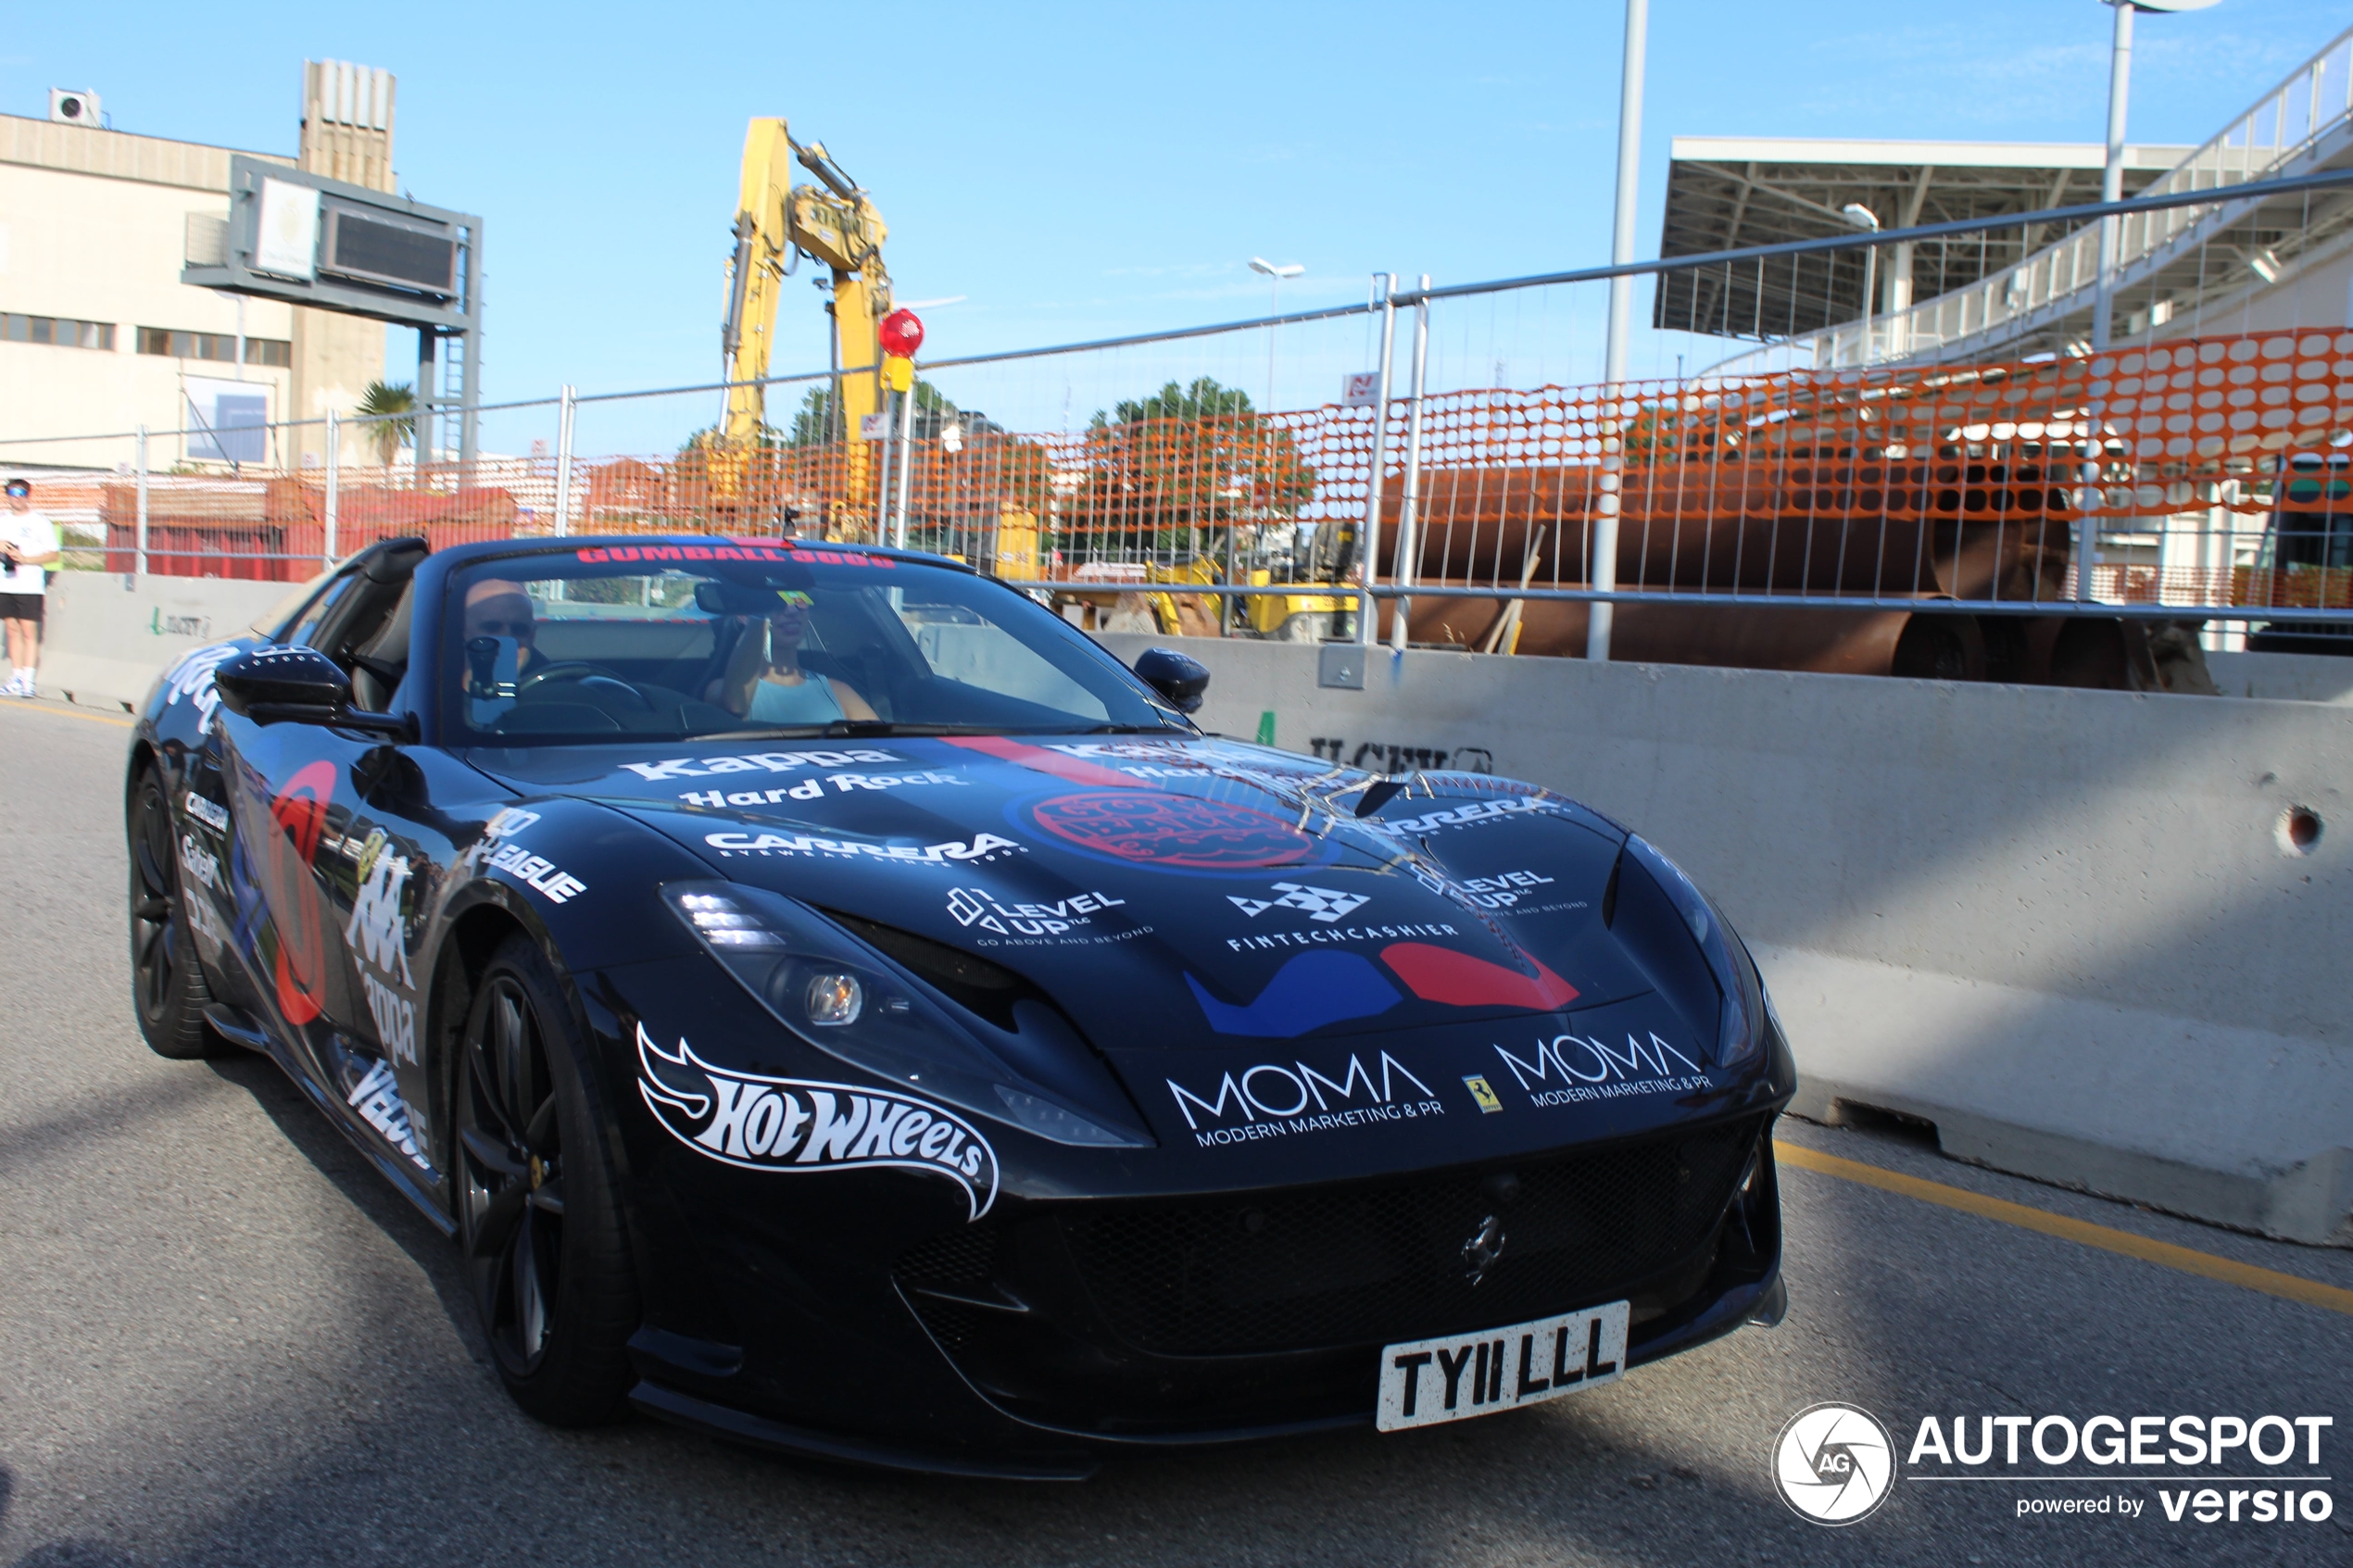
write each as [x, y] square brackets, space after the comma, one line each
[1570, 1068]
[791, 1124]
[1275, 1100]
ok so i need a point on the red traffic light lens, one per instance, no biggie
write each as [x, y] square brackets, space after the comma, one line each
[901, 333]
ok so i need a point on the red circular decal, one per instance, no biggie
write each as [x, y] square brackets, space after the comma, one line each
[1172, 830]
[299, 813]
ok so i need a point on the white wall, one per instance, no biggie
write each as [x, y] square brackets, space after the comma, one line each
[2060, 924]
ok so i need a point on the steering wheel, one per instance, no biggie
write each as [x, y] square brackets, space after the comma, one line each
[582, 669]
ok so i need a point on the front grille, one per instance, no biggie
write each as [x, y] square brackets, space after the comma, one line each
[1384, 1261]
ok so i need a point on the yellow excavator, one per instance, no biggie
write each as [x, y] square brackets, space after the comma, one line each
[835, 221]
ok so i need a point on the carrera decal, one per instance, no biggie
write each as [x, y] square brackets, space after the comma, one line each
[1149, 827]
[983, 848]
[211, 813]
[1463, 816]
[758, 761]
[792, 1124]
[191, 678]
[1441, 974]
[1274, 1099]
[299, 813]
[377, 1098]
[1310, 991]
[1578, 1069]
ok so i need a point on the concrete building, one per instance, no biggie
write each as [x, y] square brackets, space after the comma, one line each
[97, 334]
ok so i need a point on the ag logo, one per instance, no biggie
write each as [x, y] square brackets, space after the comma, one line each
[1834, 1463]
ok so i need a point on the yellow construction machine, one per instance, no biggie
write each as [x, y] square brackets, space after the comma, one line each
[835, 222]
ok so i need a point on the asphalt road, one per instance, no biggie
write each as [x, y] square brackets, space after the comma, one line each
[224, 1341]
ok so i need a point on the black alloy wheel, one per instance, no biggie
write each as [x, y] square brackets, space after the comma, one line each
[167, 989]
[542, 1234]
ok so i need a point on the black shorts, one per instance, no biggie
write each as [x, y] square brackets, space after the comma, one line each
[22, 606]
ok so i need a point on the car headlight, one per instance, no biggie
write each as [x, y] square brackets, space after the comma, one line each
[1660, 895]
[853, 1003]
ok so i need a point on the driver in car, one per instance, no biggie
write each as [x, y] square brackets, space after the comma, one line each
[496, 607]
[765, 683]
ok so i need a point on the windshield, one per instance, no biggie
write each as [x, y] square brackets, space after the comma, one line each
[608, 640]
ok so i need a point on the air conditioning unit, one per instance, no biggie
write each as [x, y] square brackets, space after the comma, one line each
[69, 105]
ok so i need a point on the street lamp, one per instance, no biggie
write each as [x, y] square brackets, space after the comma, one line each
[1259, 265]
[2120, 86]
[1862, 217]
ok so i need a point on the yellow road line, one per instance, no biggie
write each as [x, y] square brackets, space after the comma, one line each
[2293, 1287]
[121, 722]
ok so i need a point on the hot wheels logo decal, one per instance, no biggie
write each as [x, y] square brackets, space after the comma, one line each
[793, 1125]
[1150, 827]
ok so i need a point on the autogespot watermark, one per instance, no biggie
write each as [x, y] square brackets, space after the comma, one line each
[1834, 1464]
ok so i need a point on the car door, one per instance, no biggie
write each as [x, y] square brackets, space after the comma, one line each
[336, 829]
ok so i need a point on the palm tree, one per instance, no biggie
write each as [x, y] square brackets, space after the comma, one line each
[388, 435]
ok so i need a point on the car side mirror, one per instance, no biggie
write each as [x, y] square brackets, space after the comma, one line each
[300, 685]
[1172, 674]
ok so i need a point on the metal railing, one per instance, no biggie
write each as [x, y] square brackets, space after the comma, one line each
[1925, 517]
[2302, 122]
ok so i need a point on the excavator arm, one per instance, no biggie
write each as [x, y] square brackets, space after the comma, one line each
[833, 222]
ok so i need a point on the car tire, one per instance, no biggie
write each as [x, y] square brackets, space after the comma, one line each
[538, 1215]
[167, 991]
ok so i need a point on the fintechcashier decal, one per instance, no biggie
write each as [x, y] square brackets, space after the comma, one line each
[1274, 1099]
[793, 1126]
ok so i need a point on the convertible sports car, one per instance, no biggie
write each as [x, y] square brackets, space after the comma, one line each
[835, 1003]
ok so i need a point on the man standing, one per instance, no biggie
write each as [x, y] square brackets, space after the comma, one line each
[27, 548]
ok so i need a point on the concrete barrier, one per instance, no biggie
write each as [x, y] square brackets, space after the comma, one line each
[2073, 930]
[2283, 677]
[109, 636]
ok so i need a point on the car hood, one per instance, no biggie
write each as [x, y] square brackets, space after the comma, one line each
[1168, 894]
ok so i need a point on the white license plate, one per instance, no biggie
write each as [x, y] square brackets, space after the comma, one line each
[1428, 1381]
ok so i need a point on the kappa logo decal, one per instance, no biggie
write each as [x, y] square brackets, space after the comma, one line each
[377, 931]
[768, 762]
[794, 1125]
[1317, 903]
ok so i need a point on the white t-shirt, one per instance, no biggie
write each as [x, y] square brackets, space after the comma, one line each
[34, 535]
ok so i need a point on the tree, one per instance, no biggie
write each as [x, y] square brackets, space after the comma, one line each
[1184, 461]
[388, 435]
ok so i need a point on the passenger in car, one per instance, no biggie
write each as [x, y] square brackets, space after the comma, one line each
[765, 683]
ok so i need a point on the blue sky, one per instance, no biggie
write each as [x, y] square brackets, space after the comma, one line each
[1079, 171]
